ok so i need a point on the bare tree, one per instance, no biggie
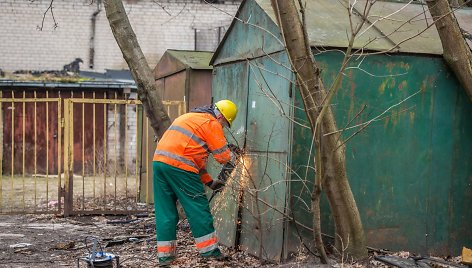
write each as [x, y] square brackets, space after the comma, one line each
[329, 159]
[142, 73]
[330, 156]
[458, 3]
[456, 51]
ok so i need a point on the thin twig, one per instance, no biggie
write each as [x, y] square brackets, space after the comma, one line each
[162, 7]
[52, 14]
[377, 117]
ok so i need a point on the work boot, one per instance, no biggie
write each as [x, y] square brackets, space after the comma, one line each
[216, 254]
[165, 262]
[222, 257]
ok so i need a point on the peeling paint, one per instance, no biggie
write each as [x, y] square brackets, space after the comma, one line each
[405, 66]
[395, 118]
[412, 117]
[403, 84]
[382, 86]
[390, 66]
[386, 121]
[424, 84]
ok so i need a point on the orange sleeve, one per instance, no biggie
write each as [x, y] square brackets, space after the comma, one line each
[205, 177]
[216, 142]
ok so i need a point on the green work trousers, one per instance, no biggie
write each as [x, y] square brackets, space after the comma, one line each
[172, 184]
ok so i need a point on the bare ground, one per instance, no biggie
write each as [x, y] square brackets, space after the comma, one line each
[51, 241]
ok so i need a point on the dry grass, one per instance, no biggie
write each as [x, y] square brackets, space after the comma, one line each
[40, 193]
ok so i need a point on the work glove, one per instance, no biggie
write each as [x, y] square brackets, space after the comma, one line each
[216, 185]
[234, 149]
[226, 171]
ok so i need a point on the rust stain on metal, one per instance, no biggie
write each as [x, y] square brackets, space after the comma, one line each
[46, 156]
[402, 85]
[386, 236]
[382, 86]
[412, 117]
[184, 76]
[392, 82]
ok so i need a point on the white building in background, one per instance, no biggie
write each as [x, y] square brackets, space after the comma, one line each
[80, 29]
[38, 36]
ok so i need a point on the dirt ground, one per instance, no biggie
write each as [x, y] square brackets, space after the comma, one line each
[42, 241]
[49, 241]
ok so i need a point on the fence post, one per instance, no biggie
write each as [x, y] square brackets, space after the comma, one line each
[68, 157]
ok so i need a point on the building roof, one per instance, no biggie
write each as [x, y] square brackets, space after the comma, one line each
[391, 25]
[83, 84]
[391, 28]
[174, 61]
[112, 79]
[193, 59]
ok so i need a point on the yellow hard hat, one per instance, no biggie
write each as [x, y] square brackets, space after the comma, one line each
[228, 109]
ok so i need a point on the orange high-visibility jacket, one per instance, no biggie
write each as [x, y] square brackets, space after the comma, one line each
[188, 142]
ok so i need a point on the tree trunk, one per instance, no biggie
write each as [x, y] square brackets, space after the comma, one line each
[142, 73]
[348, 226]
[456, 52]
[455, 3]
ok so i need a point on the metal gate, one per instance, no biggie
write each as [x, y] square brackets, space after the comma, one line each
[29, 180]
[102, 177]
[117, 177]
[75, 155]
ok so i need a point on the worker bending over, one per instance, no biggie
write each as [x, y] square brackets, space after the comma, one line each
[179, 167]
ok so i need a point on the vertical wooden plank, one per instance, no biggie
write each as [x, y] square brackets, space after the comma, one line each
[71, 153]
[66, 158]
[68, 162]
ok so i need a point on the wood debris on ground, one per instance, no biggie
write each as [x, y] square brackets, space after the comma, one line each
[49, 241]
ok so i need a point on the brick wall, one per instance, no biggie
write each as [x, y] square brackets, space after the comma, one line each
[116, 137]
[159, 25]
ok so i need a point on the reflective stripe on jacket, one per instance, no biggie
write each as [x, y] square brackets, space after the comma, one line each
[189, 140]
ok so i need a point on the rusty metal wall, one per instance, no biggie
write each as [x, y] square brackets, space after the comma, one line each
[409, 170]
[45, 113]
[113, 186]
[190, 86]
[76, 150]
[91, 117]
[199, 89]
[30, 156]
